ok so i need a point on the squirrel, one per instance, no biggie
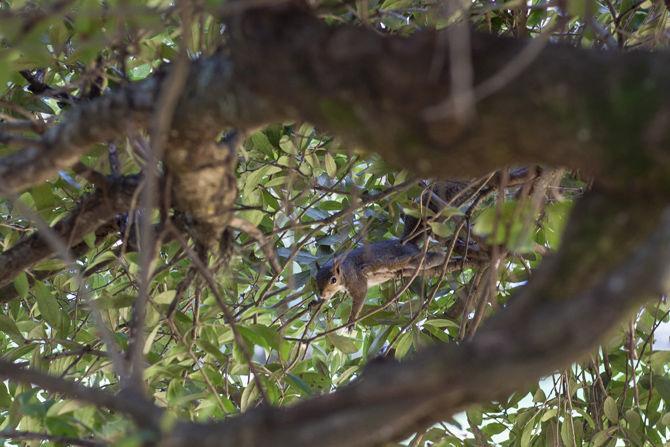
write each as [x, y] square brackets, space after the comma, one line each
[369, 265]
[379, 262]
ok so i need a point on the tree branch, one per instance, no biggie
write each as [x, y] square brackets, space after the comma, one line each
[548, 325]
[94, 211]
[85, 124]
[145, 414]
[27, 435]
[374, 90]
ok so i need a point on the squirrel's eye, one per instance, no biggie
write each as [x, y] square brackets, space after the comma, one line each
[333, 280]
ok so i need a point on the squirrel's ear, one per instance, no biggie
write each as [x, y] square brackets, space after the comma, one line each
[336, 267]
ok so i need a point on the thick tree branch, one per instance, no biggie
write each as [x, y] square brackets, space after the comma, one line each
[145, 414]
[102, 119]
[93, 212]
[625, 252]
[605, 113]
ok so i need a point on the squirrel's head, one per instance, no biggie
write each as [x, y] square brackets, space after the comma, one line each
[329, 280]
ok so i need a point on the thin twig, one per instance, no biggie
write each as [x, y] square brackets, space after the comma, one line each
[143, 412]
[227, 313]
[266, 244]
[63, 251]
[160, 125]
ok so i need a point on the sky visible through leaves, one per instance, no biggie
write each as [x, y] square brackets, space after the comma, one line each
[313, 197]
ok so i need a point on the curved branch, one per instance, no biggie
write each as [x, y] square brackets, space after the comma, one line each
[102, 119]
[94, 211]
[27, 435]
[570, 303]
[144, 413]
[208, 103]
[605, 113]
[570, 107]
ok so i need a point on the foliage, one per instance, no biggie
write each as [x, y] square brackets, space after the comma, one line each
[313, 197]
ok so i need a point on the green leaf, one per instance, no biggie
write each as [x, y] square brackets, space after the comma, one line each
[105, 256]
[527, 433]
[270, 338]
[5, 397]
[60, 427]
[662, 385]
[48, 305]
[331, 166]
[395, 4]
[450, 211]
[44, 197]
[165, 297]
[253, 179]
[441, 229]
[403, 344]
[549, 414]
[556, 217]
[49, 265]
[494, 428]
[665, 420]
[249, 395]
[150, 339]
[600, 438]
[611, 410]
[64, 407]
[16, 353]
[8, 326]
[300, 384]
[442, 322]
[344, 344]
[567, 432]
[634, 419]
[475, 416]
[260, 142]
[89, 239]
[539, 396]
[287, 145]
[120, 301]
[140, 72]
[21, 285]
[346, 374]
[316, 381]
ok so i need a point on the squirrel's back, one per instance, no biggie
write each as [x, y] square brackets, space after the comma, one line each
[389, 254]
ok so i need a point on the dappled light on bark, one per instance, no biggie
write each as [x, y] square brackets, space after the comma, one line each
[174, 177]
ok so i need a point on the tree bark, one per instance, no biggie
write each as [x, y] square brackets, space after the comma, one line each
[605, 114]
[94, 211]
[549, 324]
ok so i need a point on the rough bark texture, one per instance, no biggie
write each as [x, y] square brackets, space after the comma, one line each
[549, 324]
[204, 186]
[99, 208]
[90, 122]
[603, 113]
